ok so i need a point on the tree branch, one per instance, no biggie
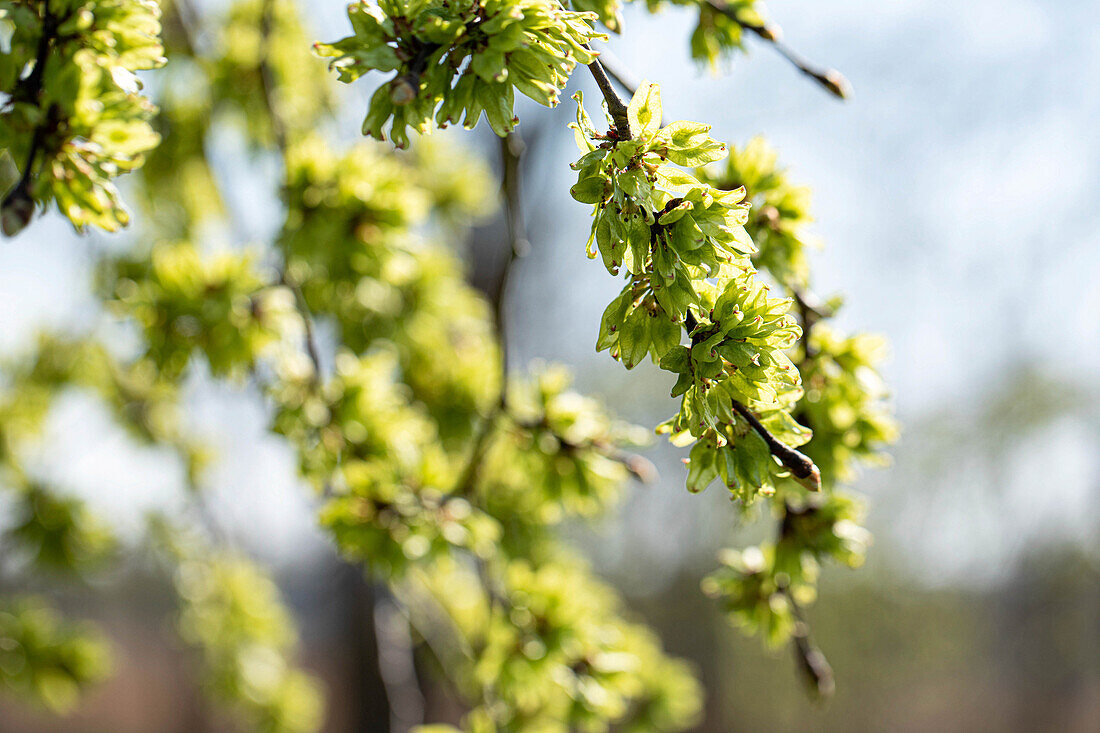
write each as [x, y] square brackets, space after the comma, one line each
[830, 79]
[815, 668]
[279, 133]
[615, 105]
[800, 466]
[17, 207]
[397, 665]
[618, 72]
[405, 87]
[512, 149]
[307, 324]
[267, 77]
[640, 467]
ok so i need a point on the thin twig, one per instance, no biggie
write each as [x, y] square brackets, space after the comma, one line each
[800, 466]
[397, 666]
[467, 480]
[830, 79]
[618, 72]
[279, 133]
[18, 205]
[307, 324]
[811, 311]
[615, 105]
[267, 77]
[815, 668]
[511, 152]
[640, 467]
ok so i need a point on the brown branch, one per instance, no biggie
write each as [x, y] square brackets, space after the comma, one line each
[512, 149]
[279, 133]
[615, 105]
[800, 466]
[397, 664]
[467, 480]
[830, 79]
[640, 467]
[811, 311]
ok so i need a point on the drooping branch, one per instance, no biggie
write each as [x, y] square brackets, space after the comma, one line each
[801, 467]
[397, 664]
[307, 326]
[640, 467]
[830, 79]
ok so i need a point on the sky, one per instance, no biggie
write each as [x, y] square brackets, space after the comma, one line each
[956, 194]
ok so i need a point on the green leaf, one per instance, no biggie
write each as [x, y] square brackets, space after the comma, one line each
[634, 338]
[645, 110]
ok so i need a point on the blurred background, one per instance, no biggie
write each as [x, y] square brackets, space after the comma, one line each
[956, 195]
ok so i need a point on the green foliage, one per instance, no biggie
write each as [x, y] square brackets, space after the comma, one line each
[558, 455]
[844, 405]
[555, 654]
[59, 534]
[394, 502]
[354, 240]
[185, 301]
[76, 121]
[761, 587]
[846, 402]
[686, 255]
[46, 659]
[248, 51]
[780, 215]
[231, 613]
[457, 60]
[609, 12]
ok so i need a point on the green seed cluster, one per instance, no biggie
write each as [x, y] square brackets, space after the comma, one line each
[76, 120]
[686, 257]
[779, 220]
[458, 60]
[556, 656]
[184, 300]
[761, 586]
[845, 405]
